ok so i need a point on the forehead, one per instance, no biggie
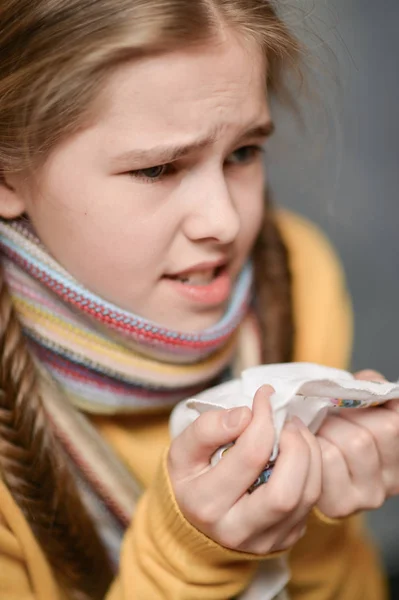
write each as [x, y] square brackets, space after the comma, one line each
[214, 88]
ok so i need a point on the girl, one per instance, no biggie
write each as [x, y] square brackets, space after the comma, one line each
[134, 229]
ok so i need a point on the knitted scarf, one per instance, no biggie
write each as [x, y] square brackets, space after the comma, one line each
[107, 359]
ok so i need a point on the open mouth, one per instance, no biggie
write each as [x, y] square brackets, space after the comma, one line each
[198, 278]
[209, 285]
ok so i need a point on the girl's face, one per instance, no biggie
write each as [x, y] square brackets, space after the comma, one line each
[156, 206]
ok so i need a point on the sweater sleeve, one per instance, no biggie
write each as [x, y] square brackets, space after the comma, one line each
[335, 559]
[165, 557]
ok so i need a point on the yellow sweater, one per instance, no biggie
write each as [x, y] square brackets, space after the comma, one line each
[163, 557]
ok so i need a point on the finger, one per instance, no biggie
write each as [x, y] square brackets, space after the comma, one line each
[244, 461]
[191, 451]
[313, 485]
[336, 497]
[279, 498]
[356, 444]
[312, 488]
[384, 427]
[359, 450]
[369, 375]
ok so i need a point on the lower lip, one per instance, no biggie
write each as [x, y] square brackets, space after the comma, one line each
[214, 293]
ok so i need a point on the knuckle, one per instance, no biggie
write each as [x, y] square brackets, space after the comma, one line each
[337, 506]
[286, 501]
[390, 428]
[361, 444]
[206, 514]
[312, 497]
[377, 499]
[330, 454]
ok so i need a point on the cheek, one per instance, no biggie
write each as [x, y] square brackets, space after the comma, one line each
[250, 213]
[252, 217]
[250, 205]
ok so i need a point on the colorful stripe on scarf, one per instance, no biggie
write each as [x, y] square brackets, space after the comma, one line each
[107, 359]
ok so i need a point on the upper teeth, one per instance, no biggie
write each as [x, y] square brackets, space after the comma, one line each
[197, 277]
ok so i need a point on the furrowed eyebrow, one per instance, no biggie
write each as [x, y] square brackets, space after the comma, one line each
[163, 154]
[259, 131]
[159, 155]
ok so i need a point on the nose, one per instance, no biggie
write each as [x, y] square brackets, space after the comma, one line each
[211, 212]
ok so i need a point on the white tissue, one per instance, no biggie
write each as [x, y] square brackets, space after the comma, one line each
[305, 390]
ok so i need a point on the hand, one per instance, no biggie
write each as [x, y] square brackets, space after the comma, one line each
[360, 455]
[215, 499]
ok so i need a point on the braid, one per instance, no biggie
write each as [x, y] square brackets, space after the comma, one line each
[34, 468]
[273, 292]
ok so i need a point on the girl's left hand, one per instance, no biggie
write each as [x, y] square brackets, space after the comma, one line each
[360, 455]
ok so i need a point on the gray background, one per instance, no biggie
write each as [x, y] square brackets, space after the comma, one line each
[342, 170]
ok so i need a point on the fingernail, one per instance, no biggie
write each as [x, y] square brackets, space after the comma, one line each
[267, 389]
[233, 417]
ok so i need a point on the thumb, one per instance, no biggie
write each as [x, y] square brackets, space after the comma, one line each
[191, 451]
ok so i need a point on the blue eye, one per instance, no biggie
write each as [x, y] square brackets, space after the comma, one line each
[244, 155]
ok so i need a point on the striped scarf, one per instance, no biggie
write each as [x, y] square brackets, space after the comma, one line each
[107, 359]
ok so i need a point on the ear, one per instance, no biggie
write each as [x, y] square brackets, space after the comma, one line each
[12, 202]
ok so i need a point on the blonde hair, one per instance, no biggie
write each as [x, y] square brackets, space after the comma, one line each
[54, 58]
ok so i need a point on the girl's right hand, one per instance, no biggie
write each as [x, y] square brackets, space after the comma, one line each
[215, 499]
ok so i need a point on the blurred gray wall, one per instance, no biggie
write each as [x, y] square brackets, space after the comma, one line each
[342, 171]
